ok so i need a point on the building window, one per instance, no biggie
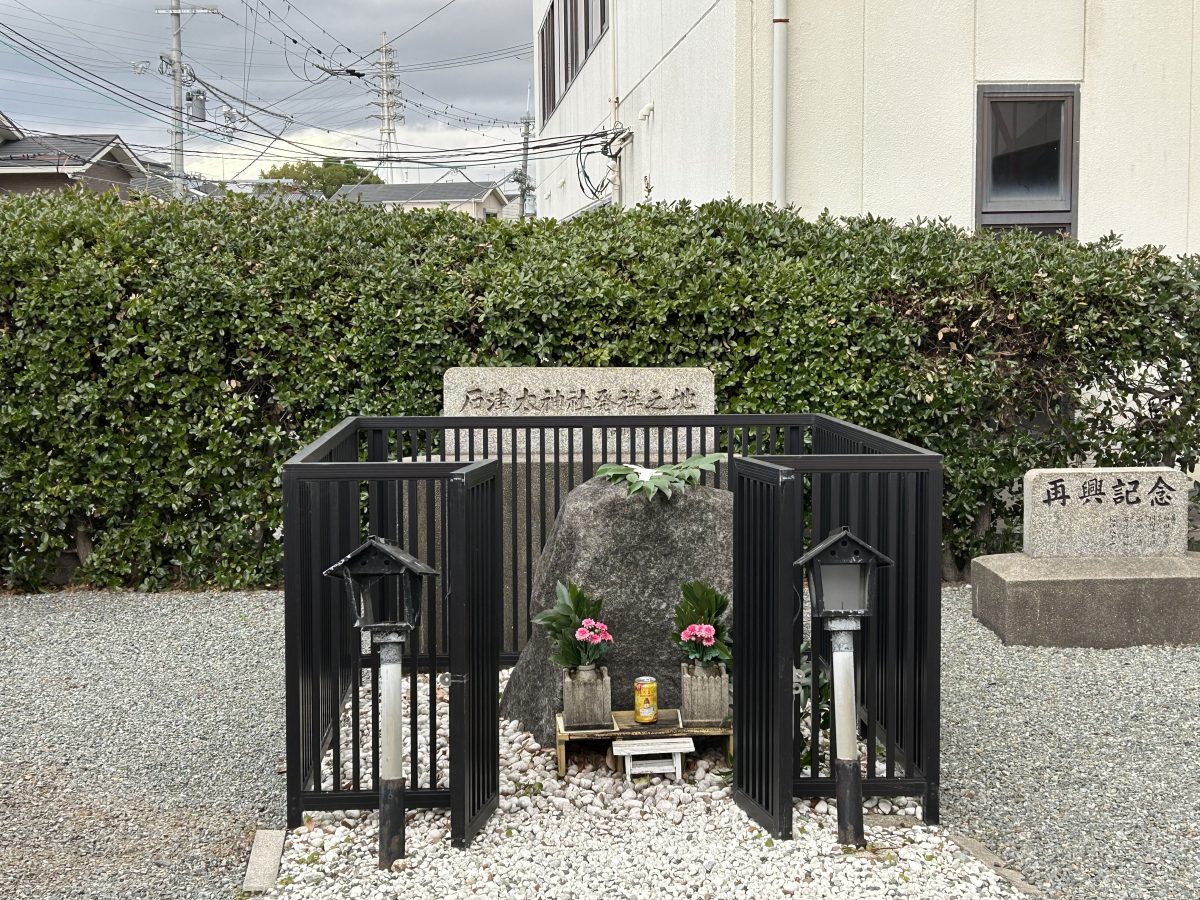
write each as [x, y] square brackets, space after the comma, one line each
[547, 69]
[1027, 147]
[595, 23]
[567, 36]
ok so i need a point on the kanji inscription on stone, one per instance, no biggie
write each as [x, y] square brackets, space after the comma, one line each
[1078, 513]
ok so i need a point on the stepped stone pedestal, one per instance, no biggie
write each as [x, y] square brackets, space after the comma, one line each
[1105, 563]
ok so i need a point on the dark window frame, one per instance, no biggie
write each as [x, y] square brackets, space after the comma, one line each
[547, 64]
[565, 42]
[1061, 214]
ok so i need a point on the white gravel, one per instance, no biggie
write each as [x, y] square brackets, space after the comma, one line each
[139, 740]
[594, 835]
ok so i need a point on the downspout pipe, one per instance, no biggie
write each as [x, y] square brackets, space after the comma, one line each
[614, 103]
[779, 63]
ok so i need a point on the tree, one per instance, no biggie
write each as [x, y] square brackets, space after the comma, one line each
[327, 177]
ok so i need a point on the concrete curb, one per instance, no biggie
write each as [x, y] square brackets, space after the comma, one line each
[995, 863]
[967, 845]
[262, 869]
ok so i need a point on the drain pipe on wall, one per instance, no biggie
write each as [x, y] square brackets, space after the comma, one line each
[614, 103]
[779, 61]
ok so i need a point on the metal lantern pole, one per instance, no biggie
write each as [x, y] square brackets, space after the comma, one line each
[391, 747]
[845, 765]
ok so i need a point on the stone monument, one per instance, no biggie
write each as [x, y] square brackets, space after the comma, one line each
[1105, 563]
[532, 483]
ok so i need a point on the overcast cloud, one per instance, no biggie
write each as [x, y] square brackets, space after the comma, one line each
[266, 54]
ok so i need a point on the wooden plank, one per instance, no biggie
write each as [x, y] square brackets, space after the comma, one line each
[658, 766]
[645, 747]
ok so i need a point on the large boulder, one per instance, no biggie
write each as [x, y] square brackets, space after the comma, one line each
[633, 554]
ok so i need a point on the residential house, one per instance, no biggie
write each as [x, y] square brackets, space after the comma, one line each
[54, 162]
[1073, 115]
[479, 201]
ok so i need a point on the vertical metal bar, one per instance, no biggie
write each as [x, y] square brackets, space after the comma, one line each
[528, 592]
[373, 662]
[542, 491]
[931, 663]
[295, 541]
[517, 642]
[432, 589]
[911, 563]
[557, 466]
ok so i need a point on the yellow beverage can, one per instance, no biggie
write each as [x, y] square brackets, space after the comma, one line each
[645, 700]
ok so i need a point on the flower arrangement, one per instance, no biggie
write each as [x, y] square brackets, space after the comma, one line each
[594, 639]
[572, 625]
[668, 480]
[702, 635]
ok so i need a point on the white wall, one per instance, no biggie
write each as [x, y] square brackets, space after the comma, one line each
[685, 147]
[882, 105]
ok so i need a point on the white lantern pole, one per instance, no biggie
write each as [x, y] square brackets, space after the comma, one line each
[391, 746]
[845, 765]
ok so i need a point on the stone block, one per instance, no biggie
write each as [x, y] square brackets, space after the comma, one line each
[1101, 602]
[1084, 513]
[505, 391]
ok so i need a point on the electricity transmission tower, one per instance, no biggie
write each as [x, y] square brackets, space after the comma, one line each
[388, 119]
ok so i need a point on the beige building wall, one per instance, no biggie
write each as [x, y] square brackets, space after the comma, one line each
[883, 105]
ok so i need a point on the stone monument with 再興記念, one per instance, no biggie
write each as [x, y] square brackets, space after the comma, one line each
[1105, 563]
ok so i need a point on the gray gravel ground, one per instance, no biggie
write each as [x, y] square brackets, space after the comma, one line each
[141, 734]
[1078, 766]
[139, 742]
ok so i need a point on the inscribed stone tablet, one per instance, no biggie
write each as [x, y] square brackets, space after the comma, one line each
[568, 391]
[1106, 512]
[522, 391]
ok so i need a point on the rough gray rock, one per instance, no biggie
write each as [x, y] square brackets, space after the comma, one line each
[633, 554]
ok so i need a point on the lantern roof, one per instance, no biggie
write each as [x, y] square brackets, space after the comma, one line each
[835, 538]
[378, 557]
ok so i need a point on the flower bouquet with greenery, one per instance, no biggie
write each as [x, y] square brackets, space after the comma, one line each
[572, 625]
[702, 634]
[667, 480]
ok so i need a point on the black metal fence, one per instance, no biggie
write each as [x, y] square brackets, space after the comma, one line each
[389, 476]
[890, 494]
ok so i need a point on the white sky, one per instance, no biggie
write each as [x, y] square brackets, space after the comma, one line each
[264, 54]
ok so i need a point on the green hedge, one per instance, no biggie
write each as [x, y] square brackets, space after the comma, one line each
[158, 362]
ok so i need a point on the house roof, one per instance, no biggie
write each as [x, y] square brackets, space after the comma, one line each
[434, 192]
[9, 130]
[65, 153]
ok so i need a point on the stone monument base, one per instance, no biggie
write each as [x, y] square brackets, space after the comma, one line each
[1102, 602]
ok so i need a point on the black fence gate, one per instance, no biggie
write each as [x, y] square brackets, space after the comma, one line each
[448, 514]
[890, 494]
[474, 648]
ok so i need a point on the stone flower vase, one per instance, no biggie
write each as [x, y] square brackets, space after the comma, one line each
[587, 697]
[705, 693]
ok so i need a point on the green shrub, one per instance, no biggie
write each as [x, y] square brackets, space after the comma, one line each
[159, 362]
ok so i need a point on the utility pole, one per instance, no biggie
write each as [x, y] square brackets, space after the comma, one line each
[526, 130]
[387, 106]
[177, 71]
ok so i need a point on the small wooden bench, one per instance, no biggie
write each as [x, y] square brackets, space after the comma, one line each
[654, 757]
[670, 724]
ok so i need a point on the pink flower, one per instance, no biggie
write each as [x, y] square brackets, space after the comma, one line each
[581, 634]
[708, 641]
[602, 628]
[689, 632]
[594, 638]
[708, 631]
[606, 636]
[588, 623]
